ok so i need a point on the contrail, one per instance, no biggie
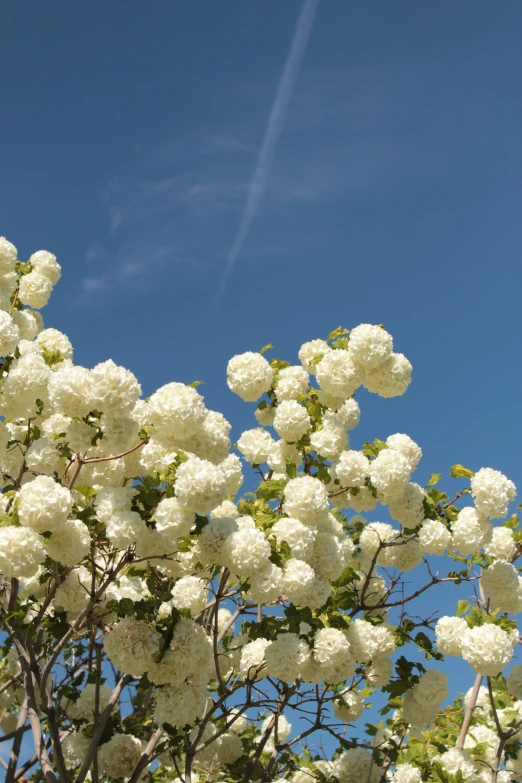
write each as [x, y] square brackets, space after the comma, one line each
[270, 139]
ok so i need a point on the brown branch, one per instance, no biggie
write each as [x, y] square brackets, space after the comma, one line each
[469, 712]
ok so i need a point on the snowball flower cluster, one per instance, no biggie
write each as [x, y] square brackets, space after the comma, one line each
[132, 646]
[44, 505]
[487, 649]
[492, 492]
[249, 375]
[306, 499]
[200, 485]
[422, 702]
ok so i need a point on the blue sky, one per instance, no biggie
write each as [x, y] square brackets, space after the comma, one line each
[130, 133]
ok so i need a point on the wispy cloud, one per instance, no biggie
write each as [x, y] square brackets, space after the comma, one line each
[273, 131]
[348, 132]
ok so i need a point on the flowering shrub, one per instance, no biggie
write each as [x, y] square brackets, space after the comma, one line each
[159, 626]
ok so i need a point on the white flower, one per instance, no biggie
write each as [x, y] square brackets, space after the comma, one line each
[349, 707]
[292, 382]
[390, 474]
[332, 652]
[226, 509]
[280, 453]
[265, 415]
[213, 540]
[514, 681]
[28, 329]
[35, 290]
[337, 374]
[356, 765]
[487, 649]
[181, 705]
[422, 702]
[45, 264]
[408, 509]
[471, 530]
[110, 500]
[73, 594]
[291, 421]
[299, 537]
[9, 334]
[328, 558]
[286, 656]
[189, 592]
[176, 411]
[352, 469]
[200, 485]
[363, 501]
[43, 457]
[330, 441]
[310, 351]
[266, 585]
[253, 659]
[502, 544]
[379, 672]
[374, 535]
[113, 389]
[119, 755]
[500, 582]
[26, 383]
[249, 375]
[21, 552]
[55, 425]
[448, 633]
[369, 346]
[492, 492]
[348, 414]
[8, 256]
[44, 505]
[434, 537]
[247, 551]
[407, 447]
[454, 760]
[232, 471]
[84, 706]
[306, 500]
[132, 645]
[404, 555]
[390, 379]
[230, 748]
[368, 642]
[53, 340]
[189, 655]
[69, 391]
[255, 445]
[171, 516]
[406, 773]
[70, 543]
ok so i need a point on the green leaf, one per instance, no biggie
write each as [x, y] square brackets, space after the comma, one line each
[437, 496]
[291, 470]
[512, 523]
[87, 492]
[194, 384]
[373, 449]
[8, 521]
[271, 489]
[265, 348]
[462, 607]
[434, 479]
[459, 471]
[339, 332]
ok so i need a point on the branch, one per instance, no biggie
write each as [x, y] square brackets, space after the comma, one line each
[104, 717]
[469, 712]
